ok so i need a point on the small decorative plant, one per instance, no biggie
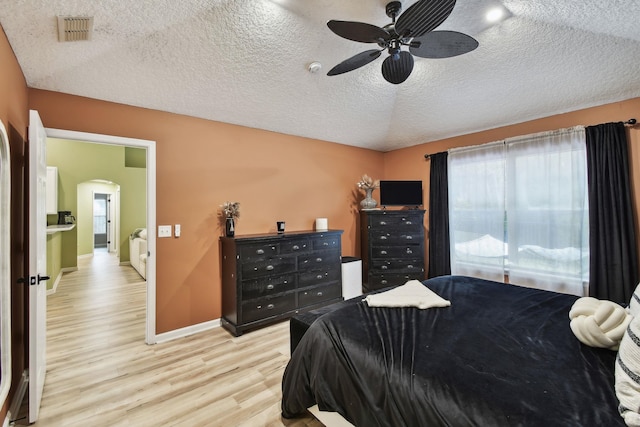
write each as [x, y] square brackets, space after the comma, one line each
[231, 210]
[367, 183]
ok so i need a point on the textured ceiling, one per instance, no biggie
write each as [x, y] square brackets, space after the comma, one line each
[245, 62]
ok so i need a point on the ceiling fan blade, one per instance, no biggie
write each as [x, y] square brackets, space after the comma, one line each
[354, 62]
[443, 44]
[358, 31]
[424, 16]
[397, 70]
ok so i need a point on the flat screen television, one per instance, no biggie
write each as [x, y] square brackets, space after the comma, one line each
[401, 193]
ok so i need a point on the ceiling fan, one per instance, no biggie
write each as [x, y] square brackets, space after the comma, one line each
[414, 28]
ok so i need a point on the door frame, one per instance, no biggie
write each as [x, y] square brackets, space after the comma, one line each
[150, 146]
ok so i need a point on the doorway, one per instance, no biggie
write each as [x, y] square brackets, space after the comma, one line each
[101, 220]
[150, 154]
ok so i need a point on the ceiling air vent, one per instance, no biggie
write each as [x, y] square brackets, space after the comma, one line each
[74, 28]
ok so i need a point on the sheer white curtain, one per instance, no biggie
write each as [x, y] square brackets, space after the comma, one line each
[477, 211]
[547, 211]
[519, 208]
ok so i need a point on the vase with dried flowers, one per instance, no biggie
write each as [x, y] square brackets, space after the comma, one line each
[230, 212]
[368, 184]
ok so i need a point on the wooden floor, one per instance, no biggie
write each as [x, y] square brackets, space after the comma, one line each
[101, 373]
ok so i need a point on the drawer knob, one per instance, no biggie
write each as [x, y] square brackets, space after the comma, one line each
[270, 307]
[384, 282]
[408, 222]
[260, 251]
[269, 267]
[409, 266]
[318, 259]
[319, 276]
[409, 251]
[319, 294]
[383, 252]
[383, 237]
[325, 244]
[296, 247]
[270, 287]
[384, 267]
[383, 223]
[409, 237]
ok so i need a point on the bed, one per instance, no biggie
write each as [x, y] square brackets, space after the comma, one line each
[500, 355]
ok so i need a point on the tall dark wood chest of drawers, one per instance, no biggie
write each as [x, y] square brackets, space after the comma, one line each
[269, 277]
[392, 247]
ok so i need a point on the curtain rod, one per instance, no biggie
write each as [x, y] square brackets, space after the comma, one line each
[630, 122]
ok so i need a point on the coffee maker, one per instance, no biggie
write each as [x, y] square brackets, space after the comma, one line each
[65, 217]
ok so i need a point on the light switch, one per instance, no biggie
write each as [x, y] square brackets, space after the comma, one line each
[176, 230]
[164, 231]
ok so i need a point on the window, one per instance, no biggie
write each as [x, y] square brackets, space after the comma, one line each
[519, 208]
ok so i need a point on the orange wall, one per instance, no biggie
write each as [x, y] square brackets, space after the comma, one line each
[14, 114]
[201, 164]
[410, 162]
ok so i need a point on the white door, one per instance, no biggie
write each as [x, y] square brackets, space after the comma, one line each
[37, 262]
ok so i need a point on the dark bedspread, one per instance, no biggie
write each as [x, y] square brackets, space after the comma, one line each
[501, 355]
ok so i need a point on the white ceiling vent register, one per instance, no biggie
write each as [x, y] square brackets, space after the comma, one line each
[74, 28]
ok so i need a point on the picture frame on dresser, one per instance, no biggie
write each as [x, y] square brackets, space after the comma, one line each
[392, 247]
[270, 277]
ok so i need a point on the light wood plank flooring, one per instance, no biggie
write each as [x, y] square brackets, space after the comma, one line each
[101, 373]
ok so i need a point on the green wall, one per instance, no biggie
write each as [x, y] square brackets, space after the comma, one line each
[79, 162]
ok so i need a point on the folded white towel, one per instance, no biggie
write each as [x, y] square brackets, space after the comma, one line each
[411, 294]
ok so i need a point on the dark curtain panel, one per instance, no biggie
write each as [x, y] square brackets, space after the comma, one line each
[613, 269]
[439, 257]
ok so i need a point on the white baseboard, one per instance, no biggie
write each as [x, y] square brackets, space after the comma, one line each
[14, 407]
[55, 284]
[189, 330]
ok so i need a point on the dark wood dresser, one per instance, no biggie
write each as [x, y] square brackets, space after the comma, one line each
[269, 277]
[392, 247]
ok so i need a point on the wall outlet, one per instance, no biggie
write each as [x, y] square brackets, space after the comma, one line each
[164, 231]
[176, 230]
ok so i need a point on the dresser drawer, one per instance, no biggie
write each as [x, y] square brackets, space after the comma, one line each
[266, 286]
[256, 310]
[317, 295]
[326, 242]
[319, 276]
[268, 266]
[259, 251]
[377, 281]
[400, 222]
[399, 251]
[318, 260]
[295, 246]
[396, 238]
[400, 265]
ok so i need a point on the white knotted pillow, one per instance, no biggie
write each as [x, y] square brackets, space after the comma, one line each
[599, 323]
